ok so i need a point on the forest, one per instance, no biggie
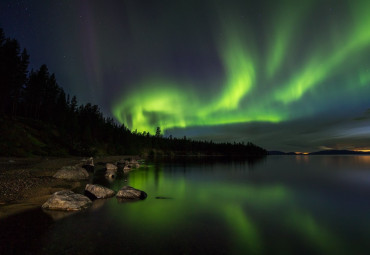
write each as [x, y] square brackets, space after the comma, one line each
[37, 117]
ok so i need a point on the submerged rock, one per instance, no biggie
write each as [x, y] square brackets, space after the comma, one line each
[72, 173]
[128, 192]
[99, 191]
[67, 200]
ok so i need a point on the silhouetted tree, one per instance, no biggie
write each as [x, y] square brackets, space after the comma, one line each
[158, 132]
[13, 73]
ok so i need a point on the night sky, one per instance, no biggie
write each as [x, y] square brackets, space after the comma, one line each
[286, 75]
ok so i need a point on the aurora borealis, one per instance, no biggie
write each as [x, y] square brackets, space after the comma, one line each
[287, 75]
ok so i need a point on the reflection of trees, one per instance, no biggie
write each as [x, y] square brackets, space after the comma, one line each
[207, 162]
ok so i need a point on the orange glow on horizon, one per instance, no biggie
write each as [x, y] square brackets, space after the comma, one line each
[362, 150]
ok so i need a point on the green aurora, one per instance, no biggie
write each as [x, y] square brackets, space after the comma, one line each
[243, 227]
[286, 75]
[296, 63]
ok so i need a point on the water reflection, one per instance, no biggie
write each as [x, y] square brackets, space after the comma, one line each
[287, 205]
[238, 206]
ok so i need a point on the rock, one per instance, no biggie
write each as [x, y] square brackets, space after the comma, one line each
[110, 174]
[90, 161]
[99, 191]
[128, 165]
[110, 167]
[111, 170]
[110, 178]
[126, 169]
[67, 200]
[72, 173]
[128, 192]
[134, 165]
[87, 161]
[88, 164]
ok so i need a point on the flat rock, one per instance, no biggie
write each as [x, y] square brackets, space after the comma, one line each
[67, 200]
[128, 192]
[72, 173]
[99, 191]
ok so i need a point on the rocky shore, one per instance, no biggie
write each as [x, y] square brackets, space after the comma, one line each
[27, 183]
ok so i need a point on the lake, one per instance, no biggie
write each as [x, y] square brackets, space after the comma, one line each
[274, 205]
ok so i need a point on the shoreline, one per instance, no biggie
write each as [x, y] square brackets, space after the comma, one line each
[26, 183]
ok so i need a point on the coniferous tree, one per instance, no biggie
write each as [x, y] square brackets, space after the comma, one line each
[13, 73]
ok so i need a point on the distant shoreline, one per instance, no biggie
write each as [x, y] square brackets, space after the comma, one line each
[325, 152]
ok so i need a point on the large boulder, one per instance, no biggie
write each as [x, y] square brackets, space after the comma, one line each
[72, 173]
[67, 200]
[111, 167]
[99, 191]
[128, 192]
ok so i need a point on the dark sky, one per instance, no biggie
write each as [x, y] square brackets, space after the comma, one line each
[286, 75]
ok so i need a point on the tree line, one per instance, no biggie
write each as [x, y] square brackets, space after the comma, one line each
[36, 95]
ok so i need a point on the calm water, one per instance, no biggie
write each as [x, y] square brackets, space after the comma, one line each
[278, 205]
